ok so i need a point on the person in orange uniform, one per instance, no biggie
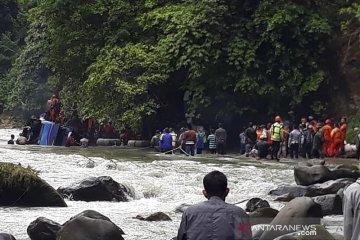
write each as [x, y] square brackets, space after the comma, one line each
[258, 133]
[327, 137]
[343, 129]
[336, 141]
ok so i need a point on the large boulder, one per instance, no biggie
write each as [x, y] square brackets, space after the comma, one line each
[317, 232]
[262, 216]
[330, 204]
[306, 176]
[96, 189]
[6, 236]
[256, 203]
[43, 229]
[23, 187]
[90, 225]
[319, 189]
[155, 217]
[287, 197]
[300, 211]
[344, 173]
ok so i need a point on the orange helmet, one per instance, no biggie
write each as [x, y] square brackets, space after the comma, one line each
[277, 119]
[327, 121]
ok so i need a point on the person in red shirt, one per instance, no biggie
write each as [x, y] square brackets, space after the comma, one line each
[327, 138]
[189, 139]
[336, 141]
[343, 128]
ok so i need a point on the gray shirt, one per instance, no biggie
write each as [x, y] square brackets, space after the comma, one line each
[220, 135]
[214, 220]
[351, 209]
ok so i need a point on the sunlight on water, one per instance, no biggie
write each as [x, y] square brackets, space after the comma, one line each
[161, 183]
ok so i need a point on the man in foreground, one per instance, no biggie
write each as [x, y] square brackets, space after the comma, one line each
[351, 207]
[214, 219]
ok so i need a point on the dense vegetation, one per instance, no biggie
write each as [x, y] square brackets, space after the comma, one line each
[156, 60]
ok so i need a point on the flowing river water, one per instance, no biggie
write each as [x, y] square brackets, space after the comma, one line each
[160, 183]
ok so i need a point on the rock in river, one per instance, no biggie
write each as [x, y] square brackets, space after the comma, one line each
[90, 225]
[256, 203]
[43, 229]
[96, 189]
[158, 216]
[23, 187]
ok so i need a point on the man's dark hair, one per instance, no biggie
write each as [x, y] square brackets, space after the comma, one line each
[220, 125]
[250, 124]
[215, 184]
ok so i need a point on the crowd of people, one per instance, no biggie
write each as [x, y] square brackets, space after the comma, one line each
[189, 141]
[310, 138]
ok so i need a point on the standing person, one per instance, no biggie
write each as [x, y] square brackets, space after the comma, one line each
[294, 141]
[302, 148]
[309, 138]
[351, 206]
[220, 136]
[242, 141]
[327, 138]
[181, 141]
[155, 141]
[215, 219]
[11, 141]
[190, 141]
[173, 137]
[318, 142]
[276, 137]
[258, 133]
[250, 138]
[166, 141]
[357, 142]
[343, 129]
[336, 141]
[200, 142]
[212, 142]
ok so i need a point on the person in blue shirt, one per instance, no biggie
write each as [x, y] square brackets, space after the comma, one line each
[201, 140]
[166, 141]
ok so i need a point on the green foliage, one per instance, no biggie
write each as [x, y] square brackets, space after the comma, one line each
[354, 122]
[118, 85]
[15, 176]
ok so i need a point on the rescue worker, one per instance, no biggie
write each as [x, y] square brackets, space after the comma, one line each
[173, 137]
[336, 141]
[343, 129]
[276, 137]
[327, 137]
[258, 133]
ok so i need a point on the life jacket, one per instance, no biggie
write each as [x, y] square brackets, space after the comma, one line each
[276, 129]
[258, 134]
[327, 133]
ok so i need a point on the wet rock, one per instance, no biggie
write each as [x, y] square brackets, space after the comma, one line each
[262, 216]
[23, 187]
[314, 162]
[300, 211]
[258, 230]
[182, 208]
[319, 233]
[287, 197]
[96, 189]
[306, 176]
[155, 217]
[345, 173]
[338, 236]
[319, 189]
[90, 225]
[6, 236]
[43, 229]
[330, 204]
[348, 167]
[256, 203]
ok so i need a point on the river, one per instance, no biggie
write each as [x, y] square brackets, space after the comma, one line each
[160, 183]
